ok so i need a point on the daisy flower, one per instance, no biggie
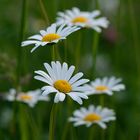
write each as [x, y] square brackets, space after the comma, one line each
[92, 115]
[105, 85]
[50, 36]
[83, 19]
[59, 80]
[31, 97]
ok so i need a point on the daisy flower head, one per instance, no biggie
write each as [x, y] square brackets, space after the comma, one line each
[31, 97]
[92, 115]
[82, 19]
[59, 80]
[51, 35]
[105, 85]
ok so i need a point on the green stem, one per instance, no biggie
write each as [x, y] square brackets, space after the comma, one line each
[91, 133]
[102, 100]
[21, 35]
[135, 39]
[95, 50]
[112, 131]
[53, 52]
[23, 123]
[95, 45]
[103, 134]
[65, 50]
[78, 51]
[52, 122]
[65, 131]
[44, 11]
[34, 127]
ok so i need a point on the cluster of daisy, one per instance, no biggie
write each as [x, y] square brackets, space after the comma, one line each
[60, 79]
[66, 23]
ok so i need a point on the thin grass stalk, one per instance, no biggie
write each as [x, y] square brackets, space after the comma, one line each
[33, 125]
[24, 135]
[101, 100]
[22, 120]
[95, 50]
[95, 45]
[64, 135]
[91, 133]
[21, 35]
[103, 135]
[58, 56]
[134, 29]
[111, 136]
[78, 51]
[65, 50]
[53, 53]
[67, 125]
[52, 122]
[44, 12]
[117, 53]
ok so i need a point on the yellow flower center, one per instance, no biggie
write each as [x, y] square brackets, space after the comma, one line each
[79, 19]
[101, 88]
[92, 117]
[63, 86]
[50, 37]
[25, 97]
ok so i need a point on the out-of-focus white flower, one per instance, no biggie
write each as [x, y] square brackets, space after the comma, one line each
[31, 97]
[92, 115]
[60, 81]
[105, 85]
[50, 36]
[82, 19]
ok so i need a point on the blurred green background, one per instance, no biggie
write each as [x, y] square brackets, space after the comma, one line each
[118, 54]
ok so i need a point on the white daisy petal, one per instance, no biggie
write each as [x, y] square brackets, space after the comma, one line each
[64, 70]
[37, 37]
[56, 98]
[102, 125]
[36, 46]
[47, 90]
[40, 78]
[45, 75]
[69, 73]
[43, 33]
[81, 95]
[75, 98]
[79, 123]
[95, 13]
[50, 71]
[62, 96]
[29, 42]
[76, 77]
[80, 82]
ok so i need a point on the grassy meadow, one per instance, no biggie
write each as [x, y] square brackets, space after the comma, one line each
[115, 51]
